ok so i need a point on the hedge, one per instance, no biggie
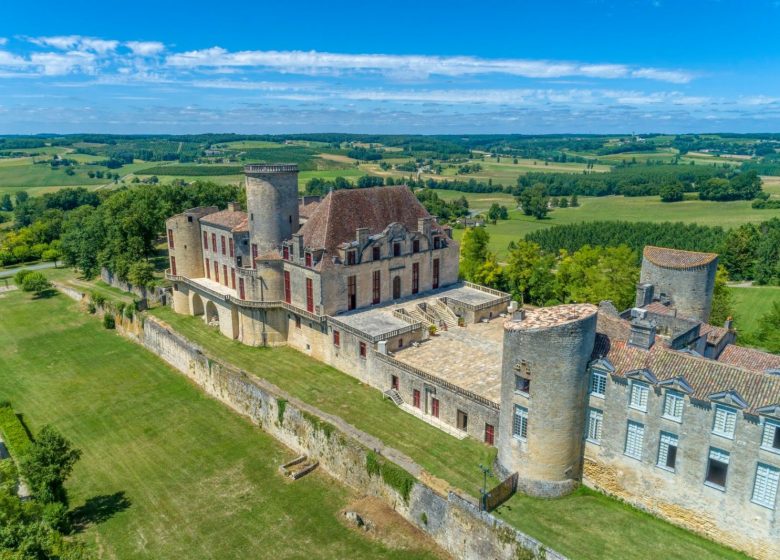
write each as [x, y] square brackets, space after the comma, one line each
[16, 438]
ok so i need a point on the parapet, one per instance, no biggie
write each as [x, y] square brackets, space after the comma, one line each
[266, 168]
[546, 317]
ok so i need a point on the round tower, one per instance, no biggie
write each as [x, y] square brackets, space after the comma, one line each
[687, 278]
[543, 396]
[185, 250]
[272, 204]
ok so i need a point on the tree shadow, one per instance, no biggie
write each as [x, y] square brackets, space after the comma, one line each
[46, 294]
[98, 509]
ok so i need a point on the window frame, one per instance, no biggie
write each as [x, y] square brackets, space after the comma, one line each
[641, 387]
[362, 350]
[593, 375]
[522, 381]
[589, 427]
[774, 425]
[770, 503]
[336, 338]
[669, 436]
[641, 444]
[674, 395]
[710, 459]
[728, 412]
[520, 423]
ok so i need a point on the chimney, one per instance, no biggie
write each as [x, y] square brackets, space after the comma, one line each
[234, 207]
[644, 294]
[424, 226]
[381, 346]
[642, 333]
[518, 315]
[362, 237]
[729, 324]
[513, 306]
[298, 244]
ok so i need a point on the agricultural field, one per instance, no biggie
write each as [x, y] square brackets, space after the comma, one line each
[166, 472]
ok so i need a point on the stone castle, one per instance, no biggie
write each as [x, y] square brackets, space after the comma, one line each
[652, 404]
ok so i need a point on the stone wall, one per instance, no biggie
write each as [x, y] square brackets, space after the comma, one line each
[452, 520]
[154, 295]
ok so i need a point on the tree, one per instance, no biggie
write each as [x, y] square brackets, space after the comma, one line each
[722, 299]
[21, 197]
[490, 273]
[47, 465]
[768, 333]
[534, 201]
[5, 203]
[36, 282]
[497, 212]
[529, 275]
[595, 274]
[20, 276]
[141, 273]
[473, 252]
[671, 192]
[574, 202]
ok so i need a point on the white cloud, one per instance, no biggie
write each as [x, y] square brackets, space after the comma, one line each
[77, 42]
[56, 64]
[3, 41]
[313, 62]
[145, 48]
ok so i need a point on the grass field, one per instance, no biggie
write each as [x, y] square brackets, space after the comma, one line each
[640, 208]
[750, 304]
[166, 472]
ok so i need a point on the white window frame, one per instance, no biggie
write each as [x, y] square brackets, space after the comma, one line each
[768, 435]
[727, 414]
[666, 440]
[678, 401]
[519, 391]
[594, 384]
[765, 485]
[520, 423]
[595, 425]
[721, 456]
[639, 388]
[636, 438]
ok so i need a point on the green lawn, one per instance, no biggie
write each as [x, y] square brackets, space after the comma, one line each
[750, 304]
[166, 471]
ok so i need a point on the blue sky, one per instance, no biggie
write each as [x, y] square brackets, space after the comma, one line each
[591, 66]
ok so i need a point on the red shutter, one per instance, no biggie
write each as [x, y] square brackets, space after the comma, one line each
[416, 398]
[415, 278]
[254, 255]
[286, 253]
[287, 291]
[377, 286]
[435, 273]
[489, 434]
[435, 407]
[233, 277]
[309, 296]
[308, 260]
[208, 269]
[336, 338]
[205, 240]
[231, 247]
[173, 266]
[241, 288]
[362, 349]
[224, 274]
[223, 244]
[170, 238]
[214, 242]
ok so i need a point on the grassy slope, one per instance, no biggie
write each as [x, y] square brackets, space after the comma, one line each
[751, 303]
[567, 525]
[202, 482]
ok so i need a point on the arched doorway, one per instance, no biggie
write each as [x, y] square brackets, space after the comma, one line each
[212, 316]
[196, 305]
[397, 287]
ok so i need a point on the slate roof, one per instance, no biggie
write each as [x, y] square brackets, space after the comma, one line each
[235, 221]
[749, 358]
[336, 219]
[676, 258]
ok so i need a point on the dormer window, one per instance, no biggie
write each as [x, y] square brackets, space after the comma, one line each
[639, 393]
[351, 257]
[376, 253]
[308, 260]
[396, 249]
[725, 421]
[416, 246]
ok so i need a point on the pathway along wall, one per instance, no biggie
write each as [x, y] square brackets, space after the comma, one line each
[353, 457]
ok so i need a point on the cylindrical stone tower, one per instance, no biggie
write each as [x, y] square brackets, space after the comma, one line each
[543, 396]
[272, 204]
[687, 278]
[185, 250]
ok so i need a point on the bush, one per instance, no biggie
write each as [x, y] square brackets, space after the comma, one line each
[16, 438]
[108, 321]
[432, 330]
[20, 276]
[36, 282]
[392, 475]
[91, 308]
[98, 299]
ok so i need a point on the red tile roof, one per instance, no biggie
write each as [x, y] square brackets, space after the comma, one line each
[749, 358]
[660, 309]
[337, 218]
[705, 376]
[233, 220]
[714, 334]
[676, 258]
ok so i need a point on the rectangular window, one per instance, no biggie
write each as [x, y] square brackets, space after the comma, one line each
[307, 260]
[336, 338]
[351, 257]
[170, 238]
[520, 423]
[771, 437]
[595, 421]
[489, 434]
[362, 349]
[635, 435]
[435, 273]
[396, 249]
[224, 245]
[224, 274]
[309, 296]
[208, 269]
[598, 383]
[717, 468]
[377, 280]
[394, 382]
[286, 253]
[173, 266]
[287, 290]
[241, 294]
[415, 278]
[673, 405]
[639, 393]
[376, 253]
[437, 243]
[351, 292]
[216, 272]
[435, 407]
[725, 421]
[765, 486]
[416, 246]
[667, 451]
[522, 385]
[233, 278]
[462, 420]
[254, 255]
[232, 247]
[205, 240]
[214, 242]
[416, 398]
[297, 322]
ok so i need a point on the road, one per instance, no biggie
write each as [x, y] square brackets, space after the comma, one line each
[8, 272]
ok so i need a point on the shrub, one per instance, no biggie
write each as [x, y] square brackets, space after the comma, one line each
[392, 475]
[16, 438]
[108, 321]
[98, 299]
[432, 330]
[281, 405]
[36, 282]
[91, 308]
[20, 276]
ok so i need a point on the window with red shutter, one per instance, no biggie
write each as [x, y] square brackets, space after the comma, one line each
[232, 250]
[173, 266]
[205, 240]
[308, 260]
[224, 274]
[309, 296]
[336, 339]
[377, 286]
[216, 272]
[435, 273]
[214, 242]
[208, 269]
[362, 349]
[287, 291]
[223, 245]
[241, 288]
[415, 277]
[233, 278]
[286, 253]
[170, 238]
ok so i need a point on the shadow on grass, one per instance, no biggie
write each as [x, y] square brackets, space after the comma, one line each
[98, 509]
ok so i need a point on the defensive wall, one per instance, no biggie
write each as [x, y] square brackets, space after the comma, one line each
[344, 452]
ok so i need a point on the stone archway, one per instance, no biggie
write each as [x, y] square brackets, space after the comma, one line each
[212, 315]
[196, 305]
[397, 287]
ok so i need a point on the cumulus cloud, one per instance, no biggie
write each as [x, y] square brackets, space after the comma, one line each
[77, 42]
[314, 62]
[145, 48]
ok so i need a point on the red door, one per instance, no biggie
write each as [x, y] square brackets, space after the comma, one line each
[416, 398]
[309, 296]
[224, 274]
[489, 434]
[233, 277]
[287, 292]
[394, 382]
[435, 407]
[173, 266]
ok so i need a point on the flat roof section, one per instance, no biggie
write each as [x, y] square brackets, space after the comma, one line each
[375, 321]
[545, 317]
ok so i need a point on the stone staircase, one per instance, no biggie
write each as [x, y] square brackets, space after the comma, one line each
[433, 421]
[444, 314]
[393, 395]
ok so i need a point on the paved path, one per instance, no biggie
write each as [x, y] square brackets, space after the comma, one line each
[8, 272]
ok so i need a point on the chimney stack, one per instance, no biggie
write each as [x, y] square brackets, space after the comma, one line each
[642, 333]
[233, 206]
